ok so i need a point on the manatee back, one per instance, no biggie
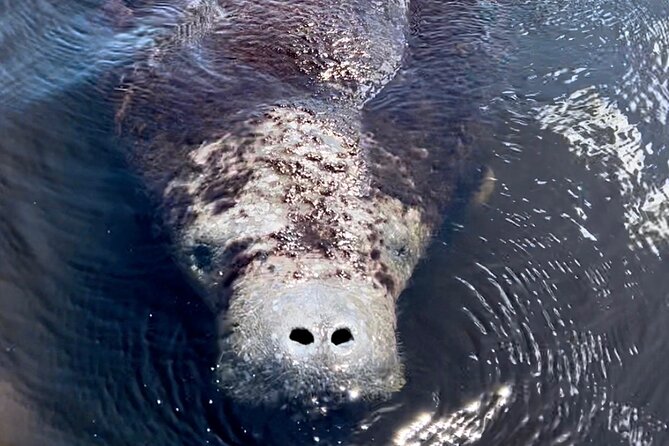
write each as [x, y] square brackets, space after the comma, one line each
[347, 48]
[225, 59]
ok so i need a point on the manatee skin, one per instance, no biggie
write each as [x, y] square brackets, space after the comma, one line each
[246, 124]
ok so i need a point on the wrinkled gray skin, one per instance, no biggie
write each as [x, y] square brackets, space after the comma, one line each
[246, 122]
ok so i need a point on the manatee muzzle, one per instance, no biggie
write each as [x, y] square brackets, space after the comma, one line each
[311, 338]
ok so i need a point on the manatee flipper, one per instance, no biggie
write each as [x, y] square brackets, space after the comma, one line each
[486, 188]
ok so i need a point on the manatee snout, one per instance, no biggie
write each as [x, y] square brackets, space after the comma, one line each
[316, 321]
[310, 339]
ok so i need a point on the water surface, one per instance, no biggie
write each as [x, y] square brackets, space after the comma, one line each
[538, 318]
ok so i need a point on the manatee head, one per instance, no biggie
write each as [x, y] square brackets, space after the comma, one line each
[298, 326]
[301, 259]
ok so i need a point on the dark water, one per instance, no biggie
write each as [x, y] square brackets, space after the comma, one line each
[538, 318]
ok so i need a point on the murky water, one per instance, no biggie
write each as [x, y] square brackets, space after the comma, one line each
[538, 318]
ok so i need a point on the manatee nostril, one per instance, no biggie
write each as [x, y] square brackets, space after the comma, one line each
[301, 335]
[341, 336]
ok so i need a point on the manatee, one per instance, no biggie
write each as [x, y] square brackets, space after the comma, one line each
[296, 223]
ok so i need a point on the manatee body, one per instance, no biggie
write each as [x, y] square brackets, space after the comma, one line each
[246, 124]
